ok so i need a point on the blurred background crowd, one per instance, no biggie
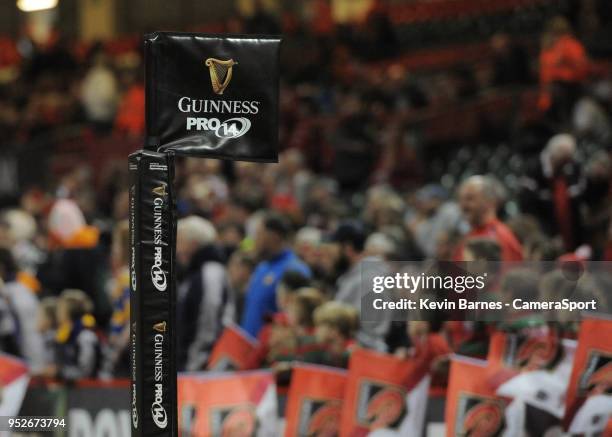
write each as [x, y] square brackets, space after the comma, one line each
[438, 129]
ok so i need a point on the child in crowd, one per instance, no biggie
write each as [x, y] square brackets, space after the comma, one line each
[287, 288]
[290, 336]
[293, 338]
[428, 344]
[317, 332]
[335, 327]
[47, 326]
[239, 270]
[482, 249]
[300, 310]
[561, 283]
[77, 344]
[482, 256]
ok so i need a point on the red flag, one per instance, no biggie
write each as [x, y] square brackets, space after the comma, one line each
[589, 396]
[472, 408]
[532, 350]
[531, 368]
[187, 398]
[226, 405]
[314, 402]
[384, 393]
[14, 379]
[233, 351]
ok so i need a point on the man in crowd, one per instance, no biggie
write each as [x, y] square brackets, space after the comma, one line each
[564, 67]
[478, 202]
[75, 258]
[272, 247]
[204, 301]
[351, 238]
[553, 190]
[434, 215]
[19, 290]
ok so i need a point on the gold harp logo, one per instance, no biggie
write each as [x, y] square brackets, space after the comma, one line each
[160, 327]
[160, 191]
[220, 73]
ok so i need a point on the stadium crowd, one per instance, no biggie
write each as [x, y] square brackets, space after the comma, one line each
[276, 249]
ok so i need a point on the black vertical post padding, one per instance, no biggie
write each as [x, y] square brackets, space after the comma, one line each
[152, 253]
[135, 324]
[173, 399]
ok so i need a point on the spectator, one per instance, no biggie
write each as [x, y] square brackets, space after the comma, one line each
[380, 245]
[291, 338]
[541, 248]
[425, 343]
[77, 344]
[231, 236]
[307, 244]
[272, 246]
[553, 191]
[478, 202]
[301, 308]
[205, 301]
[525, 227]
[597, 198]
[521, 283]
[130, 118]
[483, 256]
[9, 342]
[22, 230]
[560, 284]
[335, 327]
[99, 93]
[240, 267]
[288, 287]
[590, 117]
[434, 215]
[384, 207]
[564, 66]
[350, 236]
[20, 291]
[46, 323]
[75, 258]
[481, 249]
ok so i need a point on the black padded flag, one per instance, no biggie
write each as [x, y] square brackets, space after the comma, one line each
[212, 96]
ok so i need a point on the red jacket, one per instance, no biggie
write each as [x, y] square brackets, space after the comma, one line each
[564, 61]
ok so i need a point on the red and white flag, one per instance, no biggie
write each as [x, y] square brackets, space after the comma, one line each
[314, 402]
[589, 396]
[384, 395]
[472, 407]
[14, 379]
[532, 369]
[233, 351]
[240, 404]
